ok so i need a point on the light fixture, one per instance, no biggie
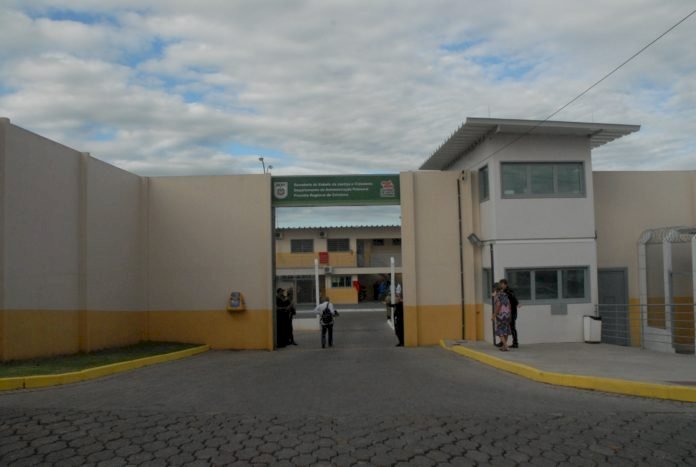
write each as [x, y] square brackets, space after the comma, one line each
[474, 240]
[263, 164]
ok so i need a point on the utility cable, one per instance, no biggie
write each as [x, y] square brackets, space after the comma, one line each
[593, 85]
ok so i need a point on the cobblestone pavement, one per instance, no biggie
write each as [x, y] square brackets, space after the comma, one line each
[362, 402]
[110, 438]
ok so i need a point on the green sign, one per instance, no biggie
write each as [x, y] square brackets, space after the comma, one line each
[349, 190]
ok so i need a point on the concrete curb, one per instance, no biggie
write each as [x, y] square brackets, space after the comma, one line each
[593, 383]
[28, 382]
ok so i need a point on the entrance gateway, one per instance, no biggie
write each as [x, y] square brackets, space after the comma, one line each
[327, 191]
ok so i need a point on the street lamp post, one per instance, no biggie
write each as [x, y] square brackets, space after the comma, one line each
[263, 164]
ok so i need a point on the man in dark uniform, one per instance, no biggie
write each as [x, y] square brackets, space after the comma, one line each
[399, 319]
[513, 310]
[291, 316]
[282, 318]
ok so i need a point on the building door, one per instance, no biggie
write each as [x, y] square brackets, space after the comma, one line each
[613, 306]
[305, 291]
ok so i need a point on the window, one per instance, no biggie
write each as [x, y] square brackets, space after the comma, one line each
[378, 242]
[521, 283]
[340, 282]
[487, 285]
[528, 180]
[302, 246]
[550, 285]
[396, 241]
[338, 244]
[483, 184]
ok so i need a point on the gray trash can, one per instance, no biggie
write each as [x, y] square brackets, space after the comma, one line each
[592, 329]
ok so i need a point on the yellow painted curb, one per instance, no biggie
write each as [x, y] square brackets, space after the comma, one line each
[26, 382]
[594, 383]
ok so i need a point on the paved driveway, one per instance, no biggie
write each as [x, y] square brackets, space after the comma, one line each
[362, 402]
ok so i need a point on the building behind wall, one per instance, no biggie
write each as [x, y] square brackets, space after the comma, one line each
[351, 260]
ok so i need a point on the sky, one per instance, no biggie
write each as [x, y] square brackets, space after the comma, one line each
[175, 87]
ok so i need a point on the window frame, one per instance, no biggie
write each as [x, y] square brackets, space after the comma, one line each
[301, 250]
[341, 276]
[561, 287]
[486, 284]
[330, 241]
[528, 180]
[484, 184]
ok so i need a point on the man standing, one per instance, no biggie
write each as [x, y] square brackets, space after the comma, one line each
[513, 309]
[399, 319]
[290, 307]
[282, 318]
[326, 312]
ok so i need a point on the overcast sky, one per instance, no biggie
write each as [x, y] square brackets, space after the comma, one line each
[177, 87]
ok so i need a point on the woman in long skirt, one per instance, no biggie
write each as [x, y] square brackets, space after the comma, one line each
[502, 316]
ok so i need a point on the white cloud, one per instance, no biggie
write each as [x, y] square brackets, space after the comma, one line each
[164, 87]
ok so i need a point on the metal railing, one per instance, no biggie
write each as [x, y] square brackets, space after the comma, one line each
[667, 327]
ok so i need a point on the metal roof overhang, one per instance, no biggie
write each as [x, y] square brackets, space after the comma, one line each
[474, 130]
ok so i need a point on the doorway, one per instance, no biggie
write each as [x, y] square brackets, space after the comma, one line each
[613, 306]
[325, 231]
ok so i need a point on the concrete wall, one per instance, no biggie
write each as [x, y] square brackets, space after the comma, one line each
[209, 236]
[115, 256]
[628, 203]
[92, 256]
[430, 250]
[72, 243]
[41, 245]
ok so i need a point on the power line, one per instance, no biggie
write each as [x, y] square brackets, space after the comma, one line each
[593, 85]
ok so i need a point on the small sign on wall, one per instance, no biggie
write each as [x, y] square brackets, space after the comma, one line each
[236, 302]
[323, 257]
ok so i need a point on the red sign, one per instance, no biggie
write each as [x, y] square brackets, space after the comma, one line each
[323, 257]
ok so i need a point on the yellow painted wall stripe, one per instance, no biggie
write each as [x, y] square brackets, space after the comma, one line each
[594, 383]
[26, 382]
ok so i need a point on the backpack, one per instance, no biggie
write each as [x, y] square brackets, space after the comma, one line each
[326, 316]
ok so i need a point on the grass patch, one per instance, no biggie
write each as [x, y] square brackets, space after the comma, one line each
[77, 362]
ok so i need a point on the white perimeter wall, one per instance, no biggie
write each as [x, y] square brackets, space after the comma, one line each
[209, 236]
[628, 203]
[115, 238]
[72, 229]
[41, 222]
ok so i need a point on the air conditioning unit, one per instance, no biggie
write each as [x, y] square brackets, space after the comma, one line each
[279, 235]
[328, 270]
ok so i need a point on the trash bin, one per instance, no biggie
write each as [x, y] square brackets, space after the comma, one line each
[593, 329]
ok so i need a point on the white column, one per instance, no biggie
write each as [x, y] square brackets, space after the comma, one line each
[316, 279]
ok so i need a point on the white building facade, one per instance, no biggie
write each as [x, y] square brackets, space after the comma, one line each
[534, 213]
